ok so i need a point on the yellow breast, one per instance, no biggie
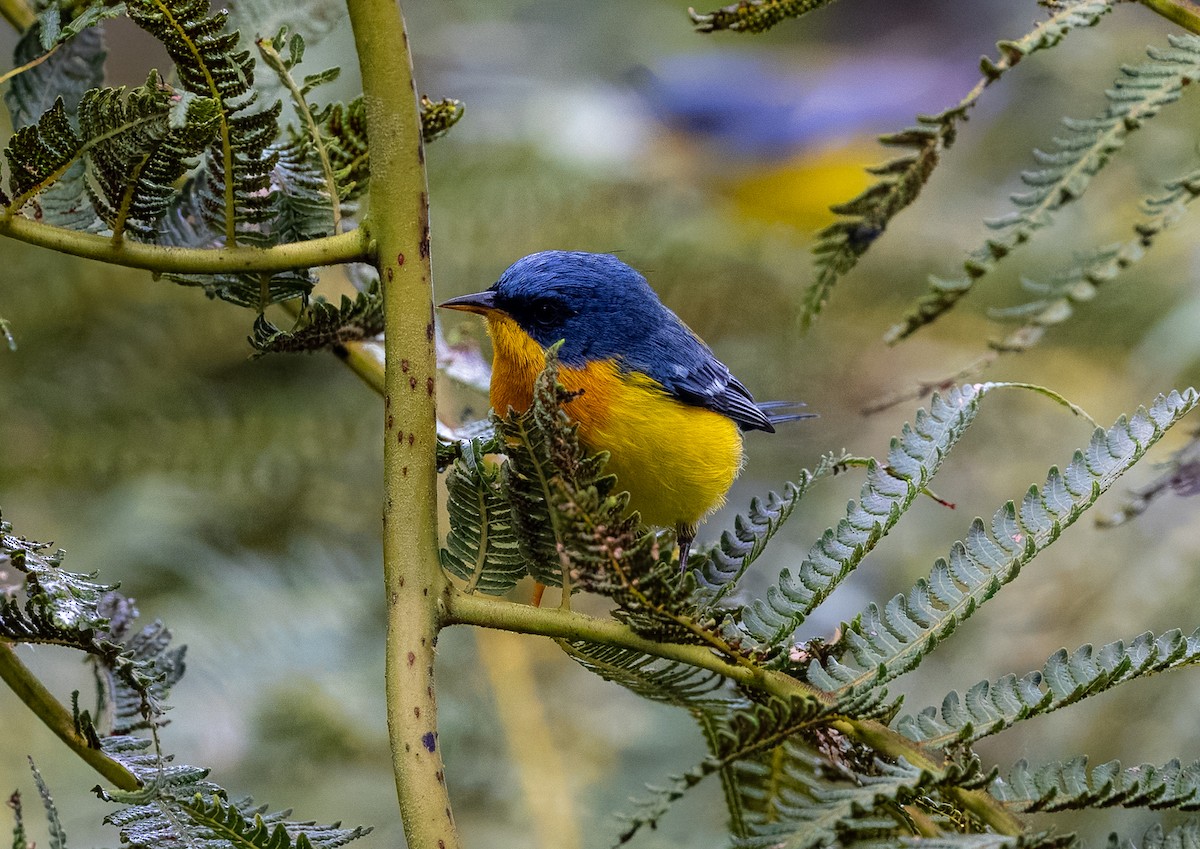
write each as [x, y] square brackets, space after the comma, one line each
[676, 460]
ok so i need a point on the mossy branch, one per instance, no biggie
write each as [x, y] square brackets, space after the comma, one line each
[58, 719]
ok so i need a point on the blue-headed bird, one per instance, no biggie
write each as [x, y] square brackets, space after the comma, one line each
[647, 389]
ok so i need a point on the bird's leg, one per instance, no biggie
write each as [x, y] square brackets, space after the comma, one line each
[539, 589]
[685, 533]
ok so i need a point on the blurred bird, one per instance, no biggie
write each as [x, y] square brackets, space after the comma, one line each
[651, 393]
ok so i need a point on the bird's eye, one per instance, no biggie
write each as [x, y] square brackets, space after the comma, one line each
[548, 312]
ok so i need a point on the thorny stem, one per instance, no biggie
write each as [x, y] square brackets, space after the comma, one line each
[414, 583]
[58, 719]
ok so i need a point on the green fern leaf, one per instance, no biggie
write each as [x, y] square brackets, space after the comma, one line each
[720, 568]
[344, 128]
[707, 696]
[883, 644]
[667, 682]
[68, 609]
[19, 838]
[863, 219]
[322, 325]
[1186, 836]
[144, 145]
[58, 835]
[438, 116]
[73, 69]
[242, 826]
[546, 473]
[76, 67]
[1057, 299]
[210, 65]
[753, 15]
[890, 489]
[40, 154]
[1066, 172]
[481, 547]
[811, 810]
[1070, 785]
[990, 707]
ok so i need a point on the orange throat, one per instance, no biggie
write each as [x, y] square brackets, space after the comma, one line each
[676, 460]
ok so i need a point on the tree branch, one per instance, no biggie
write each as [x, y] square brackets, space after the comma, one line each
[414, 583]
[473, 609]
[58, 719]
[1185, 13]
[354, 246]
[18, 13]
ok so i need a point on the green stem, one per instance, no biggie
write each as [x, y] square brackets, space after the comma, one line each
[18, 14]
[275, 61]
[414, 583]
[362, 359]
[563, 624]
[557, 623]
[58, 719]
[1185, 13]
[354, 246]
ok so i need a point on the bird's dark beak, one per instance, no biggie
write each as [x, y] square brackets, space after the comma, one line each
[480, 302]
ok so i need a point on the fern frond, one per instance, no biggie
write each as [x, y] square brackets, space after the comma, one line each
[282, 54]
[1186, 836]
[863, 219]
[210, 65]
[344, 127]
[1180, 476]
[1070, 785]
[753, 15]
[722, 566]
[913, 459]
[1058, 298]
[557, 491]
[19, 838]
[145, 144]
[58, 835]
[322, 325]
[986, 840]
[53, 31]
[883, 644]
[481, 546]
[1065, 173]
[68, 609]
[40, 154]
[811, 810]
[667, 682]
[75, 67]
[243, 826]
[438, 116]
[1066, 678]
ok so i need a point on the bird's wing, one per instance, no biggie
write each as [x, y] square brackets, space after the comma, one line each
[688, 370]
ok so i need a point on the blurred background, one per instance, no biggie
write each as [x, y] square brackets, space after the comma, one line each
[238, 499]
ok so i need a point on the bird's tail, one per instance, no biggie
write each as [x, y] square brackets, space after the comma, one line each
[778, 412]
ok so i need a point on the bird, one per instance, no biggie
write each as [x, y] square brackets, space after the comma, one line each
[645, 388]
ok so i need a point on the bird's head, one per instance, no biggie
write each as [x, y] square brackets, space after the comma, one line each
[595, 303]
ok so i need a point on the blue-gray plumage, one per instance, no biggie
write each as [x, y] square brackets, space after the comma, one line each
[604, 310]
